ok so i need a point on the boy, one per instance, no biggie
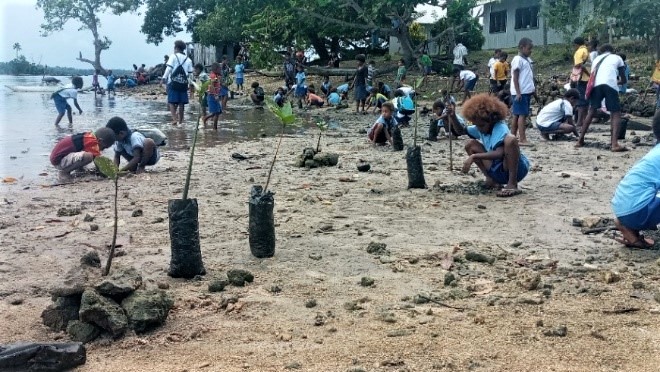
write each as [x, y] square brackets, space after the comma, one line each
[491, 69]
[76, 151]
[258, 94]
[492, 147]
[61, 96]
[132, 146]
[580, 74]
[446, 118]
[111, 83]
[460, 61]
[314, 100]
[239, 70]
[333, 98]
[404, 106]
[376, 99]
[279, 97]
[226, 82]
[381, 132]
[609, 70]
[213, 95]
[467, 81]
[425, 64]
[301, 89]
[636, 204]
[360, 84]
[501, 69]
[289, 70]
[200, 77]
[326, 85]
[557, 116]
[385, 89]
[95, 83]
[400, 73]
[371, 73]
[522, 88]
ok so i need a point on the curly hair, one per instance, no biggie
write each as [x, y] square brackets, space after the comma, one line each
[484, 108]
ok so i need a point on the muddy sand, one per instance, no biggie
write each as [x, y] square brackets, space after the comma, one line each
[528, 290]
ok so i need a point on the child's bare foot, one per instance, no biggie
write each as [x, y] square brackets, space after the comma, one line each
[65, 177]
[509, 191]
[619, 148]
[492, 185]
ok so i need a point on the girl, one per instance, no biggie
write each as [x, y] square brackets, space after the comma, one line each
[213, 99]
[301, 89]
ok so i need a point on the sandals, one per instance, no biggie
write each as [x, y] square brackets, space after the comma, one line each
[640, 243]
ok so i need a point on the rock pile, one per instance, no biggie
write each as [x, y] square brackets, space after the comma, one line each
[312, 159]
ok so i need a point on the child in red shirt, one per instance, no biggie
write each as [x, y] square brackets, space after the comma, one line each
[213, 95]
[76, 151]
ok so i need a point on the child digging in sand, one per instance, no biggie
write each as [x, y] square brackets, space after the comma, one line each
[381, 132]
[493, 148]
[61, 96]
[133, 146]
[76, 151]
[636, 204]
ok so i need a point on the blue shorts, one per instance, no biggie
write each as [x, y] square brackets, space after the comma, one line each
[360, 92]
[111, 86]
[214, 106]
[224, 91]
[646, 218]
[607, 93]
[501, 176]
[61, 105]
[470, 84]
[521, 107]
[427, 70]
[176, 97]
[582, 88]
[301, 91]
[152, 161]
[239, 81]
[551, 129]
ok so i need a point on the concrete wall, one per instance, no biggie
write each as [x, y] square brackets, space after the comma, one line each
[511, 37]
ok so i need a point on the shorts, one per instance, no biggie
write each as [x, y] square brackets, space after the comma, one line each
[646, 218]
[111, 87]
[501, 176]
[427, 70]
[215, 108]
[301, 92]
[239, 81]
[61, 105]
[155, 156]
[382, 137]
[610, 95]
[582, 88]
[494, 86]
[224, 91]
[470, 84]
[360, 92]
[380, 102]
[71, 159]
[550, 129]
[176, 97]
[521, 107]
[317, 103]
[458, 68]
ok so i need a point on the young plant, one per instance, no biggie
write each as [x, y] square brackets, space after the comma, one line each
[110, 170]
[416, 85]
[286, 117]
[200, 89]
[323, 126]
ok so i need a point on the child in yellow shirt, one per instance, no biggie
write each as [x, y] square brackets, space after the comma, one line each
[502, 70]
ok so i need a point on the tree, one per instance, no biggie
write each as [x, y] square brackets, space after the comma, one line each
[17, 48]
[58, 12]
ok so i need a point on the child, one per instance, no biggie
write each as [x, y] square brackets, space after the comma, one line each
[138, 150]
[200, 77]
[493, 148]
[279, 97]
[446, 118]
[111, 83]
[522, 88]
[467, 81]
[385, 89]
[239, 70]
[289, 70]
[76, 151]
[334, 99]
[501, 70]
[425, 64]
[226, 82]
[371, 72]
[381, 132]
[376, 99]
[95, 83]
[60, 97]
[313, 99]
[343, 91]
[491, 69]
[326, 85]
[557, 116]
[400, 73]
[623, 88]
[636, 204]
[404, 106]
[360, 84]
[504, 95]
[301, 89]
[213, 99]
[258, 94]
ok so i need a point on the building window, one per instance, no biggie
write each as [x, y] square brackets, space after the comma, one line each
[527, 18]
[497, 22]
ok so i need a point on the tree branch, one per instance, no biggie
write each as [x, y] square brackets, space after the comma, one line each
[383, 30]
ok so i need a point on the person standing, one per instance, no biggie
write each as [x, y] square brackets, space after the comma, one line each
[580, 76]
[491, 69]
[179, 67]
[522, 89]
[360, 84]
[460, 61]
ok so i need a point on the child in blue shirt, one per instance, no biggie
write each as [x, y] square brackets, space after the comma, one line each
[301, 89]
[493, 148]
[133, 146]
[326, 86]
[333, 98]
[61, 96]
[381, 132]
[636, 204]
[447, 120]
[239, 70]
[111, 83]
[404, 106]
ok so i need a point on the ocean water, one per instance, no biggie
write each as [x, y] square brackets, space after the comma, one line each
[28, 133]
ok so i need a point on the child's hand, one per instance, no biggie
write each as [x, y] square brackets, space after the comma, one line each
[467, 164]
[518, 97]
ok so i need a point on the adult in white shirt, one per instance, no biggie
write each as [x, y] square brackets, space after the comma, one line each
[610, 71]
[177, 86]
[491, 69]
[460, 52]
[557, 116]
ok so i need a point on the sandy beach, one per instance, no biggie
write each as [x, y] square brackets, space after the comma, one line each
[548, 297]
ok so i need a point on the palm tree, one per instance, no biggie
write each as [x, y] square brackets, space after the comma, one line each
[17, 47]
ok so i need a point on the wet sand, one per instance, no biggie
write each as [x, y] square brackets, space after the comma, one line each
[323, 228]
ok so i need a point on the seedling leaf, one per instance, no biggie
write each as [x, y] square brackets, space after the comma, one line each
[107, 167]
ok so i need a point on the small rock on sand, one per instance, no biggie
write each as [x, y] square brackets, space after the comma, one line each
[239, 277]
[377, 248]
[560, 331]
[367, 281]
[475, 256]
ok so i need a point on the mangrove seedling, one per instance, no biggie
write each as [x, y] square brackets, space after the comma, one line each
[322, 124]
[108, 168]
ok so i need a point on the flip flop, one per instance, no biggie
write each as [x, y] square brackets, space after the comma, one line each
[640, 243]
[507, 193]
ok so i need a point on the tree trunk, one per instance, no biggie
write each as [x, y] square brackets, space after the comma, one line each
[403, 36]
[319, 45]
[334, 45]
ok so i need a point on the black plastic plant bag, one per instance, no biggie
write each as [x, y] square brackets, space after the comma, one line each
[186, 261]
[262, 223]
[397, 140]
[42, 356]
[415, 169]
[433, 130]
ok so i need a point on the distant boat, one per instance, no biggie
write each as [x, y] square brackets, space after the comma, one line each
[33, 88]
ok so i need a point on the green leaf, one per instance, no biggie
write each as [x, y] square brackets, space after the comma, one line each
[107, 167]
[322, 125]
[284, 113]
[418, 83]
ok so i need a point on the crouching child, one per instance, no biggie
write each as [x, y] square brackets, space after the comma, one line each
[636, 204]
[133, 146]
[381, 132]
[493, 148]
[76, 151]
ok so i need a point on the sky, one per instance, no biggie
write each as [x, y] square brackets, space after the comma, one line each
[20, 23]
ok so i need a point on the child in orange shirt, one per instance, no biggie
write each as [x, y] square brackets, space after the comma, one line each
[76, 151]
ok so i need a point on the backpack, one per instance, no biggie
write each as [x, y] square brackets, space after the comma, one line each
[179, 77]
[159, 138]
